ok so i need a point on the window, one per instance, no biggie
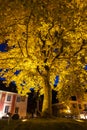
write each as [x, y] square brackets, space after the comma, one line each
[74, 105]
[9, 98]
[79, 105]
[0, 96]
[85, 106]
[23, 98]
[18, 99]
[16, 110]
[73, 98]
[6, 109]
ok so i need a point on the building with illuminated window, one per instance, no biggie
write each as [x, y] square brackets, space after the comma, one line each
[74, 107]
[12, 103]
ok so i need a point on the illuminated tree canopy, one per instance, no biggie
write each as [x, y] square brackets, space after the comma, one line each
[44, 39]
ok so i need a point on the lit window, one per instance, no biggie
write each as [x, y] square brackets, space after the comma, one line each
[79, 106]
[74, 105]
[6, 109]
[9, 98]
[16, 110]
[85, 106]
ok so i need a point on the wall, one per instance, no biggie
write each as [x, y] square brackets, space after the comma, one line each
[9, 103]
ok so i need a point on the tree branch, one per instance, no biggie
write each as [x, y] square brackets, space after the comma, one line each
[20, 49]
[84, 42]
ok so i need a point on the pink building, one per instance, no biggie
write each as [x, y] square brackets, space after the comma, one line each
[13, 103]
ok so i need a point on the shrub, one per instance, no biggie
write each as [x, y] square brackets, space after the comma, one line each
[15, 117]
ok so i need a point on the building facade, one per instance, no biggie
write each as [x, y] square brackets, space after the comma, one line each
[74, 107]
[12, 103]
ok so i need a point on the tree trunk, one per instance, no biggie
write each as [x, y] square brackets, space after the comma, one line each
[47, 101]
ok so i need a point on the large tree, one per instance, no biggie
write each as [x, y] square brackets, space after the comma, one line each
[42, 39]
